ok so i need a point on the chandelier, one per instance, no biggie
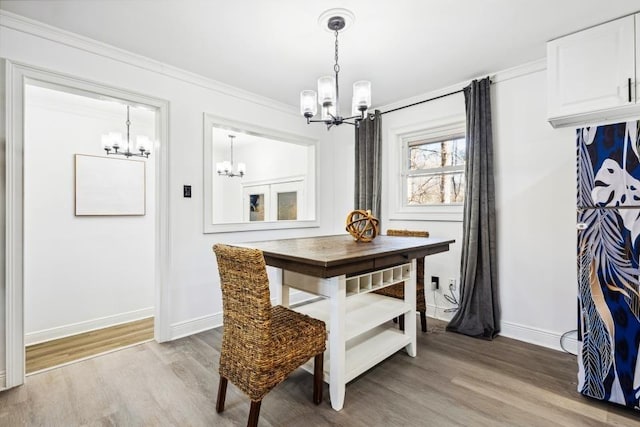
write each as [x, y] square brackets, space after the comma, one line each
[226, 168]
[113, 143]
[328, 95]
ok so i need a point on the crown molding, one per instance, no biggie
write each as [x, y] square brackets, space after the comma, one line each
[497, 77]
[48, 32]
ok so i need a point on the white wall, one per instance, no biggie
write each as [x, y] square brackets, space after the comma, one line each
[194, 295]
[535, 196]
[535, 185]
[534, 165]
[80, 273]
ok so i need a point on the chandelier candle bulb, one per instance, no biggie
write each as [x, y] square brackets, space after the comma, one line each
[242, 168]
[106, 142]
[326, 91]
[116, 139]
[356, 110]
[142, 143]
[308, 103]
[362, 94]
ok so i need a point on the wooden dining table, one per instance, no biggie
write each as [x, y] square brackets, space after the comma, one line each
[345, 273]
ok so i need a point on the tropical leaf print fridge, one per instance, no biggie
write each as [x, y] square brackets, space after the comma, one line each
[608, 262]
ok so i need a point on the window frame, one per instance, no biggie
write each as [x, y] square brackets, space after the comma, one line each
[452, 127]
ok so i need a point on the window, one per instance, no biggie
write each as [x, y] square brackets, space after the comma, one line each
[426, 179]
[434, 171]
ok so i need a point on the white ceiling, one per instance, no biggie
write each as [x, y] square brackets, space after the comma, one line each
[276, 48]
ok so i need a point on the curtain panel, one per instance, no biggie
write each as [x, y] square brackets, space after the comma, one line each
[479, 311]
[368, 157]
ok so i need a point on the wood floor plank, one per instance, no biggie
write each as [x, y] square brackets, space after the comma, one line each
[64, 350]
[454, 381]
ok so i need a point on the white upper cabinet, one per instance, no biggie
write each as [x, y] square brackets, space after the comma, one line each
[592, 74]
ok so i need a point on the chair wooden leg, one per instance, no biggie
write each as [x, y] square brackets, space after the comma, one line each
[423, 320]
[318, 378]
[401, 322]
[254, 413]
[222, 393]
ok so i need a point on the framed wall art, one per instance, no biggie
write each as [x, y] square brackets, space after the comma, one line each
[107, 186]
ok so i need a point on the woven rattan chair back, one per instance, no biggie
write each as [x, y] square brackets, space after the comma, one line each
[246, 307]
[261, 344]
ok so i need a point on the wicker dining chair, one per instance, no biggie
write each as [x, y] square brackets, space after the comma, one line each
[397, 290]
[261, 344]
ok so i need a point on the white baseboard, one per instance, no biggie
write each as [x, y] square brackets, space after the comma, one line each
[193, 326]
[439, 313]
[518, 332]
[204, 323]
[86, 326]
[3, 380]
[537, 336]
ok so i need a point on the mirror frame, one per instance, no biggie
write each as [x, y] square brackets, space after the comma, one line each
[209, 122]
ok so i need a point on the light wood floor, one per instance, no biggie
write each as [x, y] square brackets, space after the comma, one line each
[64, 350]
[454, 381]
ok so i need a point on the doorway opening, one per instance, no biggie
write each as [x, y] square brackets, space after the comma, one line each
[88, 279]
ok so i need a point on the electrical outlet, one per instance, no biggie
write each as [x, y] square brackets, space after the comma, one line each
[186, 191]
[435, 283]
[452, 284]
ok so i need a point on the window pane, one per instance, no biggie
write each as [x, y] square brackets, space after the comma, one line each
[435, 189]
[437, 154]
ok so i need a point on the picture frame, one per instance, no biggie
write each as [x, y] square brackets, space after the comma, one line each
[108, 186]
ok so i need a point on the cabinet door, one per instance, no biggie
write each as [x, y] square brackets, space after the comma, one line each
[590, 70]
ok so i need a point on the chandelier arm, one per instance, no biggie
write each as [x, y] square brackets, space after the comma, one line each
[357, 118]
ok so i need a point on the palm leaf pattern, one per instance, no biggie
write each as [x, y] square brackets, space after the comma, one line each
[597, 350]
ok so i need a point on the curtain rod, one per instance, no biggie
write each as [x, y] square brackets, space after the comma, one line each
[426, 100]
[422, 102]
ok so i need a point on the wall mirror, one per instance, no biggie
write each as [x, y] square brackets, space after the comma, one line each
[257, 178]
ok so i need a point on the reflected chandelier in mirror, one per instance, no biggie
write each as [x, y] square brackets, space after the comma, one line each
[277, 188]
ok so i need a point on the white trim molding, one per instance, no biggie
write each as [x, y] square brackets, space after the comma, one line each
[398, 152]
[497, 77]
[204, 323]
[195, 325]
[39, 29]
[86, 326]
[18, 75]
[537, 336]
[439, 313]
[3, 378]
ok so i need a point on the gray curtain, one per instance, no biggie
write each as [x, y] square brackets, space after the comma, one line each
[368, 180]
[479, 311]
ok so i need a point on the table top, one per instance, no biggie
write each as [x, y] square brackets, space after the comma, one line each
[329, 256]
